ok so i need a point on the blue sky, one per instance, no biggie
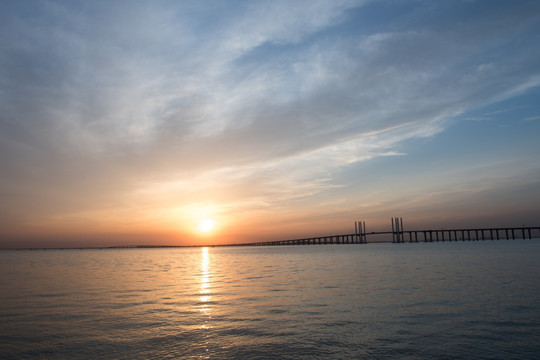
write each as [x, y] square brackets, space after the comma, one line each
[131, 121]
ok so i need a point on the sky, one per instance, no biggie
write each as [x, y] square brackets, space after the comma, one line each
[210, 122]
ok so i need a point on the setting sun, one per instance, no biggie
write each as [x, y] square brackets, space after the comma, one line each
[206, 226]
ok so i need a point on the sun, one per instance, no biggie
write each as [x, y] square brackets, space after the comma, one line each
[206, 226]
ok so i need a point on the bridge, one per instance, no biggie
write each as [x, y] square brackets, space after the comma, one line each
[400, 235]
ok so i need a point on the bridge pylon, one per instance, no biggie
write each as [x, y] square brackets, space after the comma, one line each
[397, 230]
[360, 232]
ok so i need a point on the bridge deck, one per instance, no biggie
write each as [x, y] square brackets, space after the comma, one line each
[400, 236]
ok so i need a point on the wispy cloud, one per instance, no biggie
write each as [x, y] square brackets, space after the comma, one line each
[479, 118]
[531, 118]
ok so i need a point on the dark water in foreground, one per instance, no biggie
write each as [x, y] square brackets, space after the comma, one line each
[472, 300]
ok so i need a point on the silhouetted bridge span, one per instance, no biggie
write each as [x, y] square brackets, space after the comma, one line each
[399, 235]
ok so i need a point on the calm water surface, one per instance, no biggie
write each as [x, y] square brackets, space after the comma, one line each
[463, 300]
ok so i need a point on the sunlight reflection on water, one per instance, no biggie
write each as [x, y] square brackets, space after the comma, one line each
[205, 282]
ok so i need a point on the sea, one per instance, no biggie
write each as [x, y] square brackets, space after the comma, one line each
[451, 300]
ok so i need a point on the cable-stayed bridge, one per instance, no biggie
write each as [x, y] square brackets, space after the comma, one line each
[400, 235]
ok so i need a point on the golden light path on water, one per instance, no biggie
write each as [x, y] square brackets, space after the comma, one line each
[205, 296]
